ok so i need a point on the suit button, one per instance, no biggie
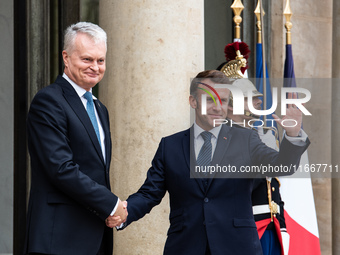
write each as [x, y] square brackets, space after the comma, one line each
[206, 200]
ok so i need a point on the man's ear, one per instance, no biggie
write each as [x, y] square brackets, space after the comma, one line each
[65, 57]
[192, 101]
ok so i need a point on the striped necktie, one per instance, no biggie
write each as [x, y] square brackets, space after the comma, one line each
[204, 156]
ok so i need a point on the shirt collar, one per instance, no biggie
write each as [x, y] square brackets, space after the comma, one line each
[198, 130]
[80, 91]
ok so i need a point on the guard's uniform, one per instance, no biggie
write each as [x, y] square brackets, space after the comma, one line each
[269, 219]
[268, 208]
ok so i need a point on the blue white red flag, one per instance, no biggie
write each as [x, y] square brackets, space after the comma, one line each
[297, 194]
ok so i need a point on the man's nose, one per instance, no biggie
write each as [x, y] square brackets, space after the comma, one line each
[94, 66]
[217, 106]
[258, 100]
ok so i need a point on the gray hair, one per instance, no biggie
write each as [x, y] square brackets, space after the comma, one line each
[92, 30]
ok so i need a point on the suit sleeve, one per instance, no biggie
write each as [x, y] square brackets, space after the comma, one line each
[51, 150]
[273, 163]
[152, 191]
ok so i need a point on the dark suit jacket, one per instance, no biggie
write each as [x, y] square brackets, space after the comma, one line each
[222, 214]
[70, 194]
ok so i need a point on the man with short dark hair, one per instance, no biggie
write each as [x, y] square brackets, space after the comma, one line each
[210, 215]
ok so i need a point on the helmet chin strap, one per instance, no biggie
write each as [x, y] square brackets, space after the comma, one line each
[249, 114]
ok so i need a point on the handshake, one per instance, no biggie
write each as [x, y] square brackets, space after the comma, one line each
[119, 217]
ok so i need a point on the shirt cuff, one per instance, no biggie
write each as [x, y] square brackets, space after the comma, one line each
[299, 140]
[121, 226]
[115, 208]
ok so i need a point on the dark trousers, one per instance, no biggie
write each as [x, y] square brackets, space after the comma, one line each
[102, 249]
[207, 251]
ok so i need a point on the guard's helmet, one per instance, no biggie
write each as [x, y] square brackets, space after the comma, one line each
[246, 85]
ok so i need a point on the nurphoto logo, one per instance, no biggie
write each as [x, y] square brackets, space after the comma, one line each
[238, 104]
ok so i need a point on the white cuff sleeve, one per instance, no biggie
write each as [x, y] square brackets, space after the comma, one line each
[115, 208]
[299, 140]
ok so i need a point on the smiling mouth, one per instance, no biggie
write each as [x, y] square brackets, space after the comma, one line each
[215, 116]
[92, 74]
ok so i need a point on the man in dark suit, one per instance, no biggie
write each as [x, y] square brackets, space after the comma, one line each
[209, 215]
[70, 147]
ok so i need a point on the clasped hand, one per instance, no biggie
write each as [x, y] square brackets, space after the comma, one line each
[119, 217]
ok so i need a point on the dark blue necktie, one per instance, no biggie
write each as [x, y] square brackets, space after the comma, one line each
[204, 156]
[91, 113]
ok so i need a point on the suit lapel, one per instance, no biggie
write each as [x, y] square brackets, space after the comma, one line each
[222, 145]
[105, 124]
[75, 103]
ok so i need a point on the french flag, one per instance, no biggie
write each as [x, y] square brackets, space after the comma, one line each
[297, 194]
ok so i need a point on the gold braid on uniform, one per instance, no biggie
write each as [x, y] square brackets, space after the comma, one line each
[274, 208]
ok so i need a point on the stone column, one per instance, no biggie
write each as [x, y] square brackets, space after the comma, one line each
[335, 128]
[154, 48]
